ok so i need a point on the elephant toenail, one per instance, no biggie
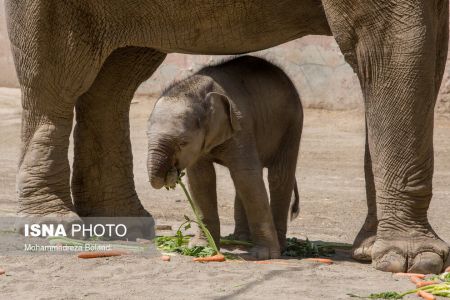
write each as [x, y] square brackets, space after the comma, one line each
[390, 262]
[427, 262]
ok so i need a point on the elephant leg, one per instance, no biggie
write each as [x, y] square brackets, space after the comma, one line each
[102, 181]
[362, 246]
[281, 177]
[241, 230]
[53, 72]
[398, 49]
[202, 185]
[250, 188]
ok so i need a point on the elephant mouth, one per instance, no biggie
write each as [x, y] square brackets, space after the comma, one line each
[169, 180]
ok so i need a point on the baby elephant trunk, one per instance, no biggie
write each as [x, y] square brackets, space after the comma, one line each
[159, 163]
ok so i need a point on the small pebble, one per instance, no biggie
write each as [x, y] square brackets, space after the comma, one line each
[448, 269]
[165, 258]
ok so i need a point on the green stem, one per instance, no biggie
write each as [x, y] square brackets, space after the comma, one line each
[197, 216]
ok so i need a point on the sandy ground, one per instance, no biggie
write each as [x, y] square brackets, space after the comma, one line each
[331, 181]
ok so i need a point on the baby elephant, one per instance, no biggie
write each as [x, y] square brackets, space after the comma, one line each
[244, 114]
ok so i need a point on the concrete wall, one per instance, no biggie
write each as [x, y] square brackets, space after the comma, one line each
[314, 63]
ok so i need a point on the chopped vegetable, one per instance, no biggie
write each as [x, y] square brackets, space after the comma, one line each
[425, 283]
[418, 275]
[426, 296]
[438, 287]
[215, 258]
[415, 279]
[165, 258]
[321, 260]
[97, 254]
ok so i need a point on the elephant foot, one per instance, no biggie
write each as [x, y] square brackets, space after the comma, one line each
[362, 246]
[264, 252]
[67, 219]
[421, 252]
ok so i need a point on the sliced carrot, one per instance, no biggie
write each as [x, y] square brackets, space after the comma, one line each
[415, 279]
[418, 275]
[426, 295]
[425, 283]
[321, 260]
[2, 272]
[215, 258]
[96, 254]
[165, 258]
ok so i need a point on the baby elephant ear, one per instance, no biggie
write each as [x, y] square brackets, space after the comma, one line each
[217, 100]
[223, 120]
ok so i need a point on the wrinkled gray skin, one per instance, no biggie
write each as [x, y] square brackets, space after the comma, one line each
[92, 55]
[244, 114]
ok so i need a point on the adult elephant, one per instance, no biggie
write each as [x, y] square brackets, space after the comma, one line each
[92, 55]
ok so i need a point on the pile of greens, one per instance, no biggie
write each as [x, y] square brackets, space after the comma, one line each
[441, 288]
[179, 243]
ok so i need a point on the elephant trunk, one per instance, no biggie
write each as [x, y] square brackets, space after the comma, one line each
[160, 161]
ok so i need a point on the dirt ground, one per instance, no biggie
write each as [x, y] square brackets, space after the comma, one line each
[331, 181]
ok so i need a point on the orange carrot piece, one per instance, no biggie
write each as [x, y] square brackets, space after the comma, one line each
[415, 279]
[424, 283]
[2, 272]
[426, 295]
[165, 258]
[215, 258]
[321, 260]
[96, 254]
[418, 275]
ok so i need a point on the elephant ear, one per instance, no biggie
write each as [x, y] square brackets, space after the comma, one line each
[223, 120]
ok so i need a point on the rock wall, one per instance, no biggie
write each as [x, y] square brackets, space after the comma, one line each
[315, 65]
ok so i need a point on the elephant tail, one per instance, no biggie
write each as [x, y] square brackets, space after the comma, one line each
[295, 202]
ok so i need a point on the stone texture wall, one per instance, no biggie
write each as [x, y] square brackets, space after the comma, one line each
[314, 63]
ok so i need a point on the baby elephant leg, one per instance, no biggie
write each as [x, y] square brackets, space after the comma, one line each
[202, 186]
[251, 190]
[241, 230]
[281, 177]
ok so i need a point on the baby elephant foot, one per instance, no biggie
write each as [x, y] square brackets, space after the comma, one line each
[362, 246]
[266, 242]
[264, 252]
[422, 253]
